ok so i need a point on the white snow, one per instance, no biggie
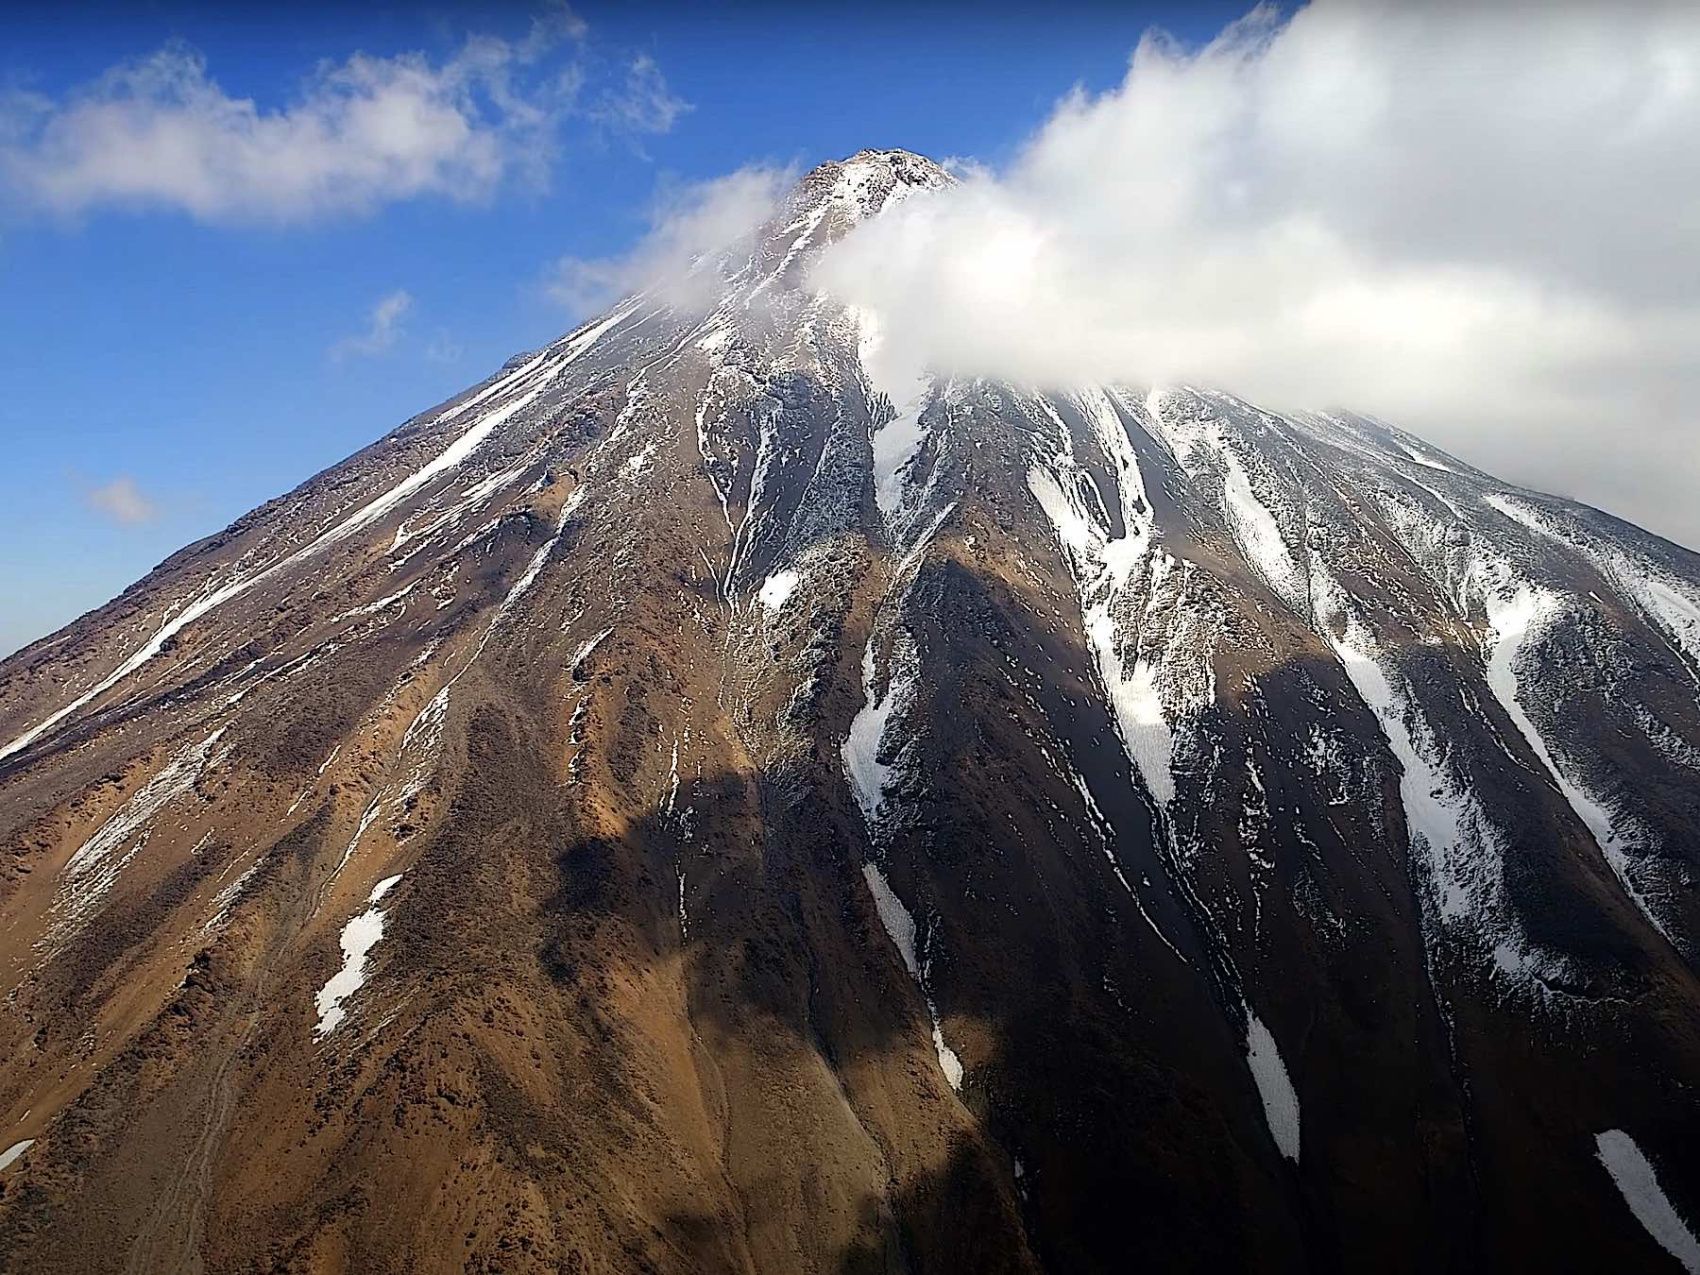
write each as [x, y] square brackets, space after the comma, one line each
[900, 927]
[895, 917]
[94, 867]
[1511, 509]
[769, 450]
[1144, 727]
[1152, 671]
[1259, 535]
[12, 1152]
[469, 499]
[1633, 1174]
[778, 588]
[1661, 597]
[1516, 619]
[226, 898]
[358, 938]
[868, 774]
[366, 818]
[895, 444]
[1422, 460]
[949, 1063]
[1461, 852]
[585, 649]
[529, 576]
[1280, 1103]
[372, 608]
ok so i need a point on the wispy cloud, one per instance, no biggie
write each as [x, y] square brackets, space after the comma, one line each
[686, 222]
[383, 326]
[161, 132]
[444, 349]
[643, 103]
[121, 501]
[1476, 220]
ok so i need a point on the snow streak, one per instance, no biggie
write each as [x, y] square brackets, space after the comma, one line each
[1634, 1177]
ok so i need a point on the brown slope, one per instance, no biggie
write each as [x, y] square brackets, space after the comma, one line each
[637, 1004]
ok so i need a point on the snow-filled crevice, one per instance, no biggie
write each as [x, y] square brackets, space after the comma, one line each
[1670, 605]
[1153, 648]
[869, 761]
[1633, 1175]
[899, 925]
[1517, 614]
[357, 940]
[95, 866]
[1460, 852]
[1274, 1087]
[1151, 637]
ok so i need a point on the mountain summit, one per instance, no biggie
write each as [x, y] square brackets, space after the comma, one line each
[683, 807]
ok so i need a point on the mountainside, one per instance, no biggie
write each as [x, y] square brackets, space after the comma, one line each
[684, 807]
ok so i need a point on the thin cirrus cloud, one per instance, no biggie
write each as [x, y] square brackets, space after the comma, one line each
[642, 103]
[1476, 221]
[684, 224]
[121, 501]
[383, 326]
[161, 132]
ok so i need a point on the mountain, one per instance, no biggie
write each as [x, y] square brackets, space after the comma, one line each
[682, 806]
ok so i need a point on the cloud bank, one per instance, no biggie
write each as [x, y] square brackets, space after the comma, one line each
[1476, 221]
[160, 132]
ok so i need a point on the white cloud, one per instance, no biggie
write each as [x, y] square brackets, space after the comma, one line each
[383, 326]
[643, 103]
[1477, 221]
[160, 132]
[687, 222]
[121, 501]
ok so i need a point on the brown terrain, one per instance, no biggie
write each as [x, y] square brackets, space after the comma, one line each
[681, 807]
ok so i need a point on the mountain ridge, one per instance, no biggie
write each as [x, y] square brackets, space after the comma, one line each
[680, 805]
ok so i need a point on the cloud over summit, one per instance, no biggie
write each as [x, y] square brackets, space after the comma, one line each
[1474, 220]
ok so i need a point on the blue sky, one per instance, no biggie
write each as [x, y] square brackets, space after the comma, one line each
[168, 368]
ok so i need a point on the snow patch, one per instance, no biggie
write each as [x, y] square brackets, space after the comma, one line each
[1634, 1177]
[12, 1152]
[358, 938]
[1280, 1103]
[1462, 853]
[1259, 536]
[1153, 669]
[778, 588]
[867, 773]
[895, 444]
[93, 869]
[899, 926]
[1663, 599]
[1516, 619]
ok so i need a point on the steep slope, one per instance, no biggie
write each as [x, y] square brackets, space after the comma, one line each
[682, 806]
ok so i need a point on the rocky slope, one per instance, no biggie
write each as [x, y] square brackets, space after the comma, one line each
[684, 807]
